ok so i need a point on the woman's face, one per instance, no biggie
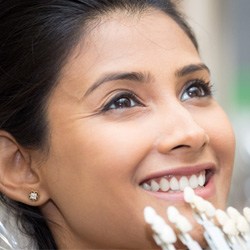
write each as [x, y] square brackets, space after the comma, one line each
[133, 113]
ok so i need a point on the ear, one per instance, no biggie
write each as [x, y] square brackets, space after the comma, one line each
[17, 176]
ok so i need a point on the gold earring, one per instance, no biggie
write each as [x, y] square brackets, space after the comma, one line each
[33, 196]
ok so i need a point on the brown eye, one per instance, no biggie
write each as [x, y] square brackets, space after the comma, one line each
[123, 101]
[196, 89]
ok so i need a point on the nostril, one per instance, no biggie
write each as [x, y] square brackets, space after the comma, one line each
[181, 146]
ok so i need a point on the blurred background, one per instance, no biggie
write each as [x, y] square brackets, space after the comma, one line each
[223, 31]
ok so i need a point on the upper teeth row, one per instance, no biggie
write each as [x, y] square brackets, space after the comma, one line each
[174, 184]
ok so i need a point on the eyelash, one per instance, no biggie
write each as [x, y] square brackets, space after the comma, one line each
[127, 96]
[132, 100]
[204, 87]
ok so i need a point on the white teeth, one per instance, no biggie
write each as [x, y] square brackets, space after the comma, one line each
[193, 181]
[174, 184]
[146, 186]
[183, 182]
[201, 179]
[154, 186]
[164, 184]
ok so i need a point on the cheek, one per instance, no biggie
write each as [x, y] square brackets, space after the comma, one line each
[217, 126]
[90, 162]
[94, 155]
[222, 145]
[114, 147]
[222, 138]
[88, 165]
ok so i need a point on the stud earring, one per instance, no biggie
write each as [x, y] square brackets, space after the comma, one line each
[33, 196]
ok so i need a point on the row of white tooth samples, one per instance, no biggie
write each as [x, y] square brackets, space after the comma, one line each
[234, 225]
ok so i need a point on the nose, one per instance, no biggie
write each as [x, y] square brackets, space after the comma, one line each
[182, 132]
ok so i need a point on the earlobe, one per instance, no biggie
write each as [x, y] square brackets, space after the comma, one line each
[18, 180]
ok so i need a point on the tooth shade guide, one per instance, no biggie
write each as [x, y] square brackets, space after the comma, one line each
[184, 227]
[229, 228]
[233, 213]
[246, 212]
[242, 225]
[234, 231]
[189, 195]
[209, 209]
[163, 239]
[164, 235]
[172, 214]
[221, 217]
[199, 204]
[149, 214]
[183, 224]
[240, 221]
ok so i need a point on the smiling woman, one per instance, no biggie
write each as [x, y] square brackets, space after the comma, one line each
[105, 108]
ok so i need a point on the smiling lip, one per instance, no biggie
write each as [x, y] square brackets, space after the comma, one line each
[207, 191]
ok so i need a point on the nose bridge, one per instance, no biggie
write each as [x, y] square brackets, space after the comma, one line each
[182, 130]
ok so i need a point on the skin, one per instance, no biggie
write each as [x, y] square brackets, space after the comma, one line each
[97, 158]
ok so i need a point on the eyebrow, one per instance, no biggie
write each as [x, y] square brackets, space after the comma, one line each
[143, 77]
[129, 76]
[191, 68]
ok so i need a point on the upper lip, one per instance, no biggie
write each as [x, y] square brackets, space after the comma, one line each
[181, 171]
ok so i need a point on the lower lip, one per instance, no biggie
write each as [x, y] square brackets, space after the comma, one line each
[205, 192]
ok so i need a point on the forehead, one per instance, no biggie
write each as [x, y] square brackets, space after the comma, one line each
[131, 42]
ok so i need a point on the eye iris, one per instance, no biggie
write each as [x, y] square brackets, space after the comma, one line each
[123, 102]
[195, 91]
